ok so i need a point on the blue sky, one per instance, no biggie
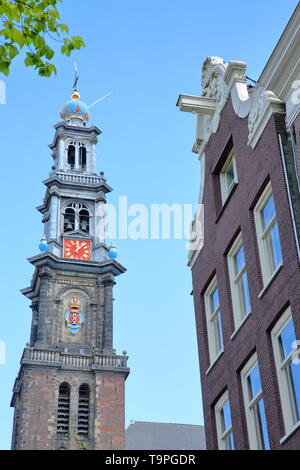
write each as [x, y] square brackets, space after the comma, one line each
[147, 53]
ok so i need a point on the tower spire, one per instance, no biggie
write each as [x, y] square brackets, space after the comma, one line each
[70, 366]
[75, 112]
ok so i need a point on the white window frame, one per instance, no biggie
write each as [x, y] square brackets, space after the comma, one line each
[214, 352]
[262, 234]
[225, 190]
[234, 278]
[222, 435]
[287, 403]
[254, 434]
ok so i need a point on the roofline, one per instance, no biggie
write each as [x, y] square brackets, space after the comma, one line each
[288, 30]
[159, 422]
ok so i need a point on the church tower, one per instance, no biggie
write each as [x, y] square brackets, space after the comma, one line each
[69, 393]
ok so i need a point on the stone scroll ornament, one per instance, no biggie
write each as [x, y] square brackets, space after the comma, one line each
[74, 318]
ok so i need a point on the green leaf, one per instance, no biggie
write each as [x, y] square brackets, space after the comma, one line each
[64, 28]
[29, 59]
[17, 37]
[33, 25]
[4, 68]
[13, 51]
[49, 53]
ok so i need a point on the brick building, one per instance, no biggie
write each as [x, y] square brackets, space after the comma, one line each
[69, 393]
[245, 259]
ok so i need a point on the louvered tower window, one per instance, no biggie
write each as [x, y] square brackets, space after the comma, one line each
[83, 410]
[71, 157]
[63, 411]
[82, 157]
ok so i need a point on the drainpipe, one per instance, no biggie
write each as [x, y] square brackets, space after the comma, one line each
[288, 159]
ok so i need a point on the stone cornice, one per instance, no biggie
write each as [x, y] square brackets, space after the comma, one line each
[63, 129]
[196, 104]
[108, 280]
[78, 181]
[53, 264]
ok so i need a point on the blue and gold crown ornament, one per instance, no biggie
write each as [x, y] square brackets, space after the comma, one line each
[112, 252]
[43, 246]
[75, 109]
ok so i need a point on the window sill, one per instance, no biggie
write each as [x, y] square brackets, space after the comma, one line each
[288, 435]
[262, 292]
[240, 326]
[225, 203]
[215, 361]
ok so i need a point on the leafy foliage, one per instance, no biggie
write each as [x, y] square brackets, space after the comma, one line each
[32, 24]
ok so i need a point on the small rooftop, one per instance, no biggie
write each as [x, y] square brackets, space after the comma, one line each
[142, 435]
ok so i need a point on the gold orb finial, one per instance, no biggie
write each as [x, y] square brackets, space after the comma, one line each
[75, 95]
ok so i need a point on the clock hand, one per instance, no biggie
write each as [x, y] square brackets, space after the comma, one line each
[79, 247]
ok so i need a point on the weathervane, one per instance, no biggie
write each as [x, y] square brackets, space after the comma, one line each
[75, 88]
[76, 77]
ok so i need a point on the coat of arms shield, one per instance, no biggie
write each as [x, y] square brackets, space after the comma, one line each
[74, 317]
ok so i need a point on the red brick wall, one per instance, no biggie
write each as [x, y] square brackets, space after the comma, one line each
[110, 414]
[254, 167]
[35, 410]
[38, 403]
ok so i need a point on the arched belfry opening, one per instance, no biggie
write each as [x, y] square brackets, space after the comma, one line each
[83, 410]
[76, 216]
[63, 409]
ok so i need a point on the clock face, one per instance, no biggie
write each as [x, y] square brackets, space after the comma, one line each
[77, 249]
